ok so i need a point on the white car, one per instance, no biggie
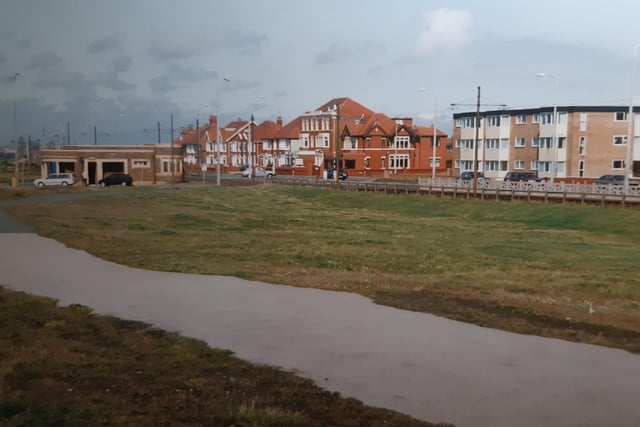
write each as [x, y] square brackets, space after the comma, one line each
[54, 179]
[259, 173]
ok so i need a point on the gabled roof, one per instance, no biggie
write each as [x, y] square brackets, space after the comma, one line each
[428, 131]
[291, 130]
[266, 130]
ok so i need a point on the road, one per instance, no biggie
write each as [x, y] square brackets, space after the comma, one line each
[425, 366]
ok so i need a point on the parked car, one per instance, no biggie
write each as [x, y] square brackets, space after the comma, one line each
[63, 179]
[468, 176]
[342, 175]
[116, 179]
[614, 180]
[522, 176]
[258, 172]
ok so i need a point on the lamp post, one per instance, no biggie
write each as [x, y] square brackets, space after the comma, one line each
[336, 171]
[435, 135]
[219, 135]
[554, 163]
[15, 125]
[630, 117]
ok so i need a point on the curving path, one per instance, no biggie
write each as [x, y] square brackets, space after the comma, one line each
[428, 367]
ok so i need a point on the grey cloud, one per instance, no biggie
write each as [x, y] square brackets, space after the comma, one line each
[122, 63]
[162, 84]
[244, 41]
[191, 74]
[341, 52]
[44, 60]
[280, 94]
[111, 42]
[24, 42]
[236, 85]
[171, 50]
[112, 81]
[3, 59]
[176, 74]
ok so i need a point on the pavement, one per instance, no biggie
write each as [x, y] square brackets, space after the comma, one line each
[432, 368]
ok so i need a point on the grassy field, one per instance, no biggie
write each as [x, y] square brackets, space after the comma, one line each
[565, 271]
[67, 367]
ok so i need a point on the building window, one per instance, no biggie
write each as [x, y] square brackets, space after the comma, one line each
[580, 168]
[431, 162]
[617, 164]
[582, 147]
[140, 163]
[542, 143]
[171, 165]
[493, 144]
[368, 142]
[541, 166]
[583, 122]
[367, 162]
[536, 118]
[519, 164]
[621, 116]
[521, 119]
[381, 162]
[521, 142]
[546, 118]
[400, 142]
[493, 121]
[384, 142]
[354, 143]
[619, 140]
[399, 161]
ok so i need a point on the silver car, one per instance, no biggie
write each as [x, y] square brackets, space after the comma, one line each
[56, 179]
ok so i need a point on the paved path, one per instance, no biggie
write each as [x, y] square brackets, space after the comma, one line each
[429, 367]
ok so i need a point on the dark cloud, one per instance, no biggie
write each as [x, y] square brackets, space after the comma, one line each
[341, 52]
[111, 80]
[177, 74]
[162, 84]
[44, 60]
[191, 74]
[109, 43]
[122, 63]
[244, 41]
[171, 50]
[24, 42]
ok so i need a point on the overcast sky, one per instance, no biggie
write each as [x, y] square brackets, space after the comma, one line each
[123, 65]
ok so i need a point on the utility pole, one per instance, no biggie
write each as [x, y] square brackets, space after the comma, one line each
[95, 135]
[336, 171]
[68, 133]
[159, 132]
[475, 145]
[173, 163]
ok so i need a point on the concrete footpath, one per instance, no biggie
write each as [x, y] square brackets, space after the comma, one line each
[428, 367]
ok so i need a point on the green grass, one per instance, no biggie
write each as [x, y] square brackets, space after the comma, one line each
[68, 367]
[524, 267]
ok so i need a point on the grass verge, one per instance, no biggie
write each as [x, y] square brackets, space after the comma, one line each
[66, 366]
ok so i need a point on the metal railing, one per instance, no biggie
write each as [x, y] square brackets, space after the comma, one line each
[486, 190]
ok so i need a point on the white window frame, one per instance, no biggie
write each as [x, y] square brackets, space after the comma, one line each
[622, 119]
[521, 119]
[617, 164]
[620, 140]
[519, 164]
[520, 142]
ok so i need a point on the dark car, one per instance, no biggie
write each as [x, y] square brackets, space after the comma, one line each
[468, 176]
[522, 176]
[116, 179]
[342, 175]
[614, 180]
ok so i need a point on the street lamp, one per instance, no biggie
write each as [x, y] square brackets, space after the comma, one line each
[435, 136]
[336, 171]
[15, 124]
[630, 117]
[555, 127]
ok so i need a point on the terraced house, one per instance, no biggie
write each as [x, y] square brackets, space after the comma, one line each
[583, 144]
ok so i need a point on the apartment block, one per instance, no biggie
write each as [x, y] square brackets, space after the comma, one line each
[583, 143]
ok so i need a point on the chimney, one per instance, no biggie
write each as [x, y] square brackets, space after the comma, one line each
[279, 122]
[213, 120]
